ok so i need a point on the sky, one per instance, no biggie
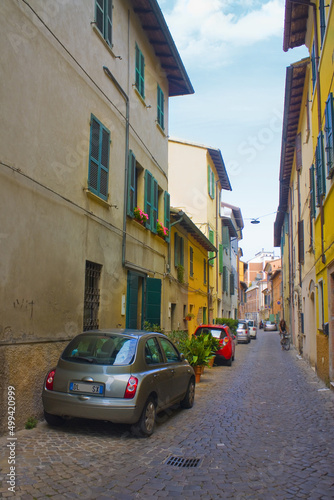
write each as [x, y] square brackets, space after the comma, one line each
[233, 53]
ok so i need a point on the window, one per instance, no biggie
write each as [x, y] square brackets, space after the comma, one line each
[329, 126]
[212, 239]
[178, 250]
[98, 159]
[320, 168]
[151, 201]
[140, 72]
[92, 296]
[103, 19]
[191, 261]
[152, 352]
[160, 108]
[232, 283]
[211, 183]
[170, 352]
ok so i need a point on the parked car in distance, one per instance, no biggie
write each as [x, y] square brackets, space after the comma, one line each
[121, 376]
[269, 326]
[226, 352]
[243, 334]
[252, 328]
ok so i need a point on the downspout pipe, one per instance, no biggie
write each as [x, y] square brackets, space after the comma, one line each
[208, 287]
[126, 99]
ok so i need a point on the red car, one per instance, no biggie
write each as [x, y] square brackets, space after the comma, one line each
[226, 340]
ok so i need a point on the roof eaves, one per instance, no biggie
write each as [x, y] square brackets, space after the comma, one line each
[218, 161]
[187, 224]
[295, 24]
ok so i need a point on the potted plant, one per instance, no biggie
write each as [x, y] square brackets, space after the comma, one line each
[162, 230]
[197, 350]
[189, 316]
[140, 216]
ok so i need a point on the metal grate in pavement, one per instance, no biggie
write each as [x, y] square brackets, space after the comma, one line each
[183, 462]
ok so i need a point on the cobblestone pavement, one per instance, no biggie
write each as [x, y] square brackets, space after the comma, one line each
[262, 429]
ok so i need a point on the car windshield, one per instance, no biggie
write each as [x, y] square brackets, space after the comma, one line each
[101, 350]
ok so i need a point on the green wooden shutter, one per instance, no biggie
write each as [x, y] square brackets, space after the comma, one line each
[99, 15]
[232, 284]
[148, 198]
[322, 20]
[140, 72]
[191, 261]
[108, 22]
[212, 185]
[99, 159]
[167, 214]
[154, 199]
[225, 279]
[225, 237]
[221, 255]
[329, 126]
[152, 301]
[131, 184]
[212, 240]
[182, 251]
[132, 301]
[160, 107]
[320, 168]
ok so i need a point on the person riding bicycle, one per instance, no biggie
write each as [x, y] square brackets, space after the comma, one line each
[282, 330]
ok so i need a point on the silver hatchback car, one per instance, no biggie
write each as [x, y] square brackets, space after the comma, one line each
[122, 376]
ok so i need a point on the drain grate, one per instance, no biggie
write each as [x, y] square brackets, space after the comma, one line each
[183, 462]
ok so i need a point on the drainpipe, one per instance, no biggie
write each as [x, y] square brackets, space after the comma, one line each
[316, 48]
[170, 239]
[208, 279]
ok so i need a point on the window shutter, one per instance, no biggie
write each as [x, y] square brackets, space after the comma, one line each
[320, 170]
[314, 66]
[108, 22]
[299, 152]
[312, 192]
[99, 159]
[231, 284]
[209, 180]
[154, 205]
[221, 253]
[167, 214]
[99, 15]
[191, 260]
[212, 185]
[176, 250]
[211, 239]
[131, 184]
[322, 20]
[329, 126]
[301, 242]
[140, 67]
[225, 279]
[160, 107]
[182, 251]
[225, 237]
[148, 198]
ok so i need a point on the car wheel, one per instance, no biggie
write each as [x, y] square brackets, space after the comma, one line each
[146, 423]
[233, 357]
[188, 401]
[54, 420]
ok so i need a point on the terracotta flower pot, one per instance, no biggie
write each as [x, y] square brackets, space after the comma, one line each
[198, 373]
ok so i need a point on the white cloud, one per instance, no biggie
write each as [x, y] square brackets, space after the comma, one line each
[212, 32]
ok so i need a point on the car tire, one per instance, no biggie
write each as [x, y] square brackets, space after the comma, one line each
[146, 423]
[229, 362]
[53, 420]
[189, 398]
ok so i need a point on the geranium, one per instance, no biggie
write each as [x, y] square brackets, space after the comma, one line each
[162, 230]
[140, 215]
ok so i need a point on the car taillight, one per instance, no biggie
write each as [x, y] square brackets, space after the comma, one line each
[131, 388]
[49, 380]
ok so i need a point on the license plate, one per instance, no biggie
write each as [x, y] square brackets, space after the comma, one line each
[86, 388]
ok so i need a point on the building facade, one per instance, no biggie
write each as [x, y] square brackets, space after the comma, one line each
[91, 115]
[304, 224]
[197, 176]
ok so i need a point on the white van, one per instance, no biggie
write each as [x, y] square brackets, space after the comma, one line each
[252, 328]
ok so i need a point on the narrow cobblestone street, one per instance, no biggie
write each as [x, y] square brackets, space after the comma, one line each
[262, 429]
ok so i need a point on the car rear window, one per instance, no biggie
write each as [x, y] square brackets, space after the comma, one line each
[242, 326]
[217, 333]
[251, 323]
[101, 350]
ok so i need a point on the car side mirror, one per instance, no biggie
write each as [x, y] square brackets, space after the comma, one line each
[182, 356]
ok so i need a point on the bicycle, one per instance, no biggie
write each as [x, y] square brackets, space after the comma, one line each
[285, 341]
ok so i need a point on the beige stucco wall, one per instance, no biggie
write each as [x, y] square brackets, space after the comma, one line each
[49, 225]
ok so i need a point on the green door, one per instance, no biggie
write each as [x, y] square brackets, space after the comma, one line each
[152, 301]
